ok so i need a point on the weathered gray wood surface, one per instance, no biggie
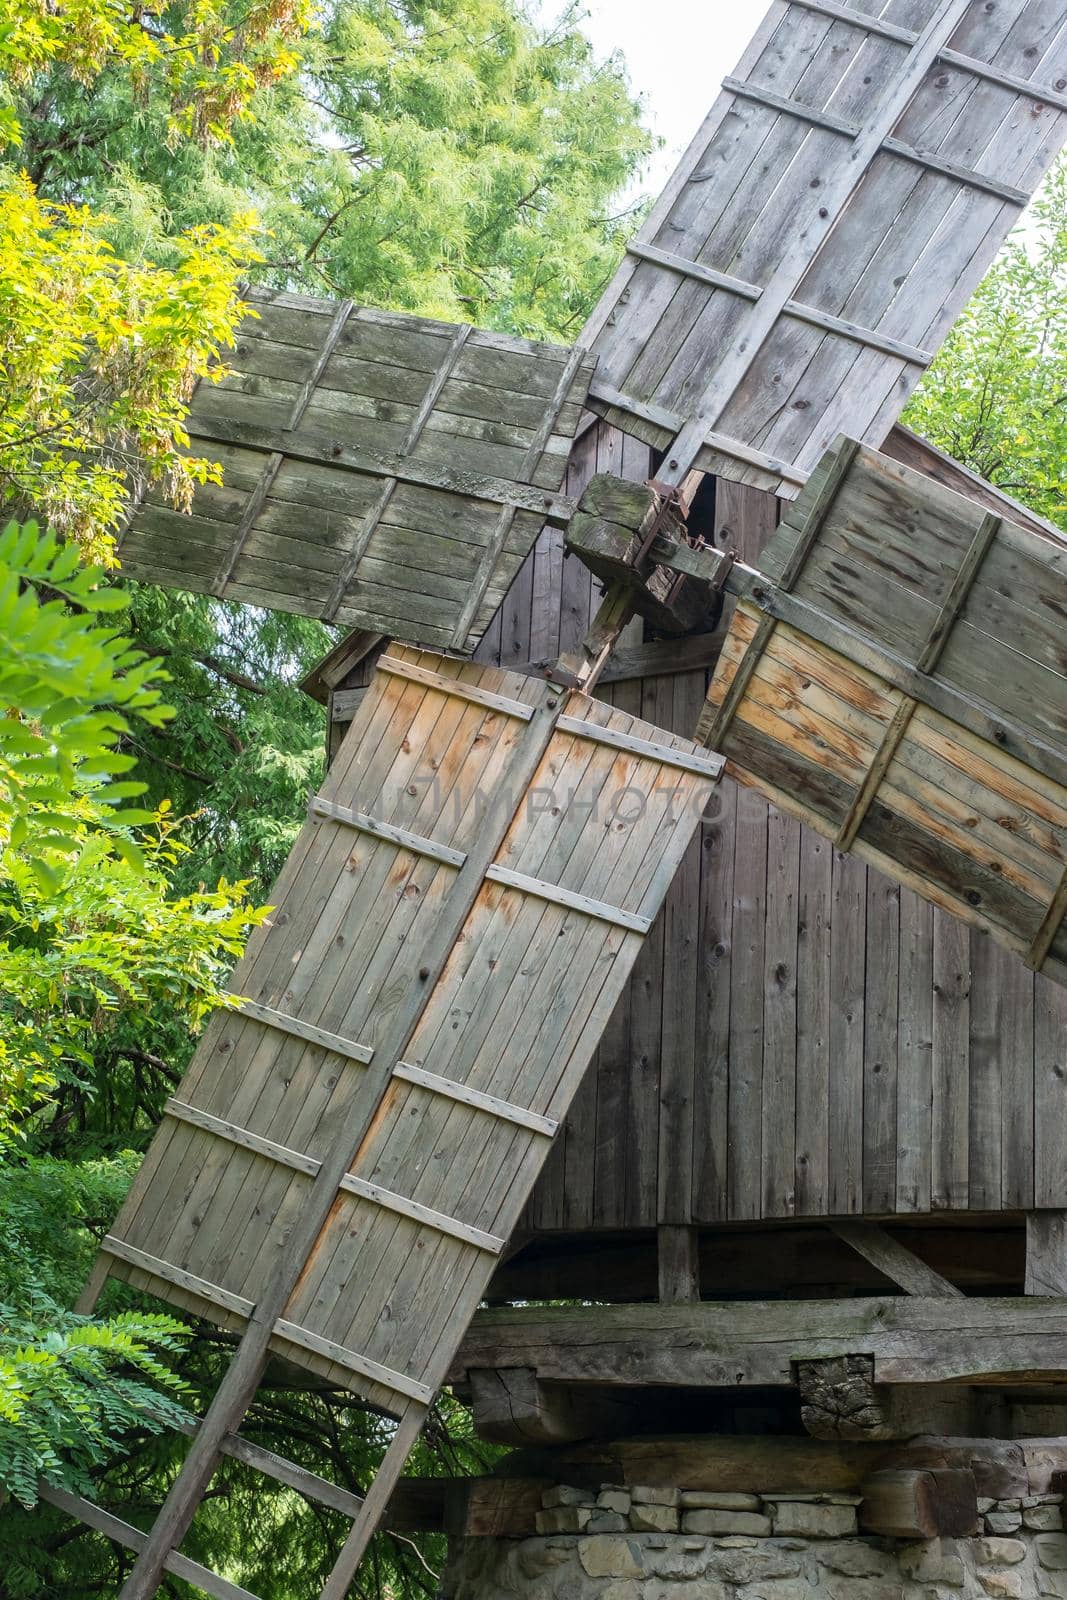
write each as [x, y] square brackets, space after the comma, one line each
[827, 223]
[753, 1343]
[379, 470]
[958, 1069]
[896, 677]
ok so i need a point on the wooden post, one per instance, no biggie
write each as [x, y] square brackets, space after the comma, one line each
[1046, 1253]
[679, 1264]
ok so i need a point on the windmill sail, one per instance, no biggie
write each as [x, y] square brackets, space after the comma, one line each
[895, 677]
[383, 471]
[840, 203]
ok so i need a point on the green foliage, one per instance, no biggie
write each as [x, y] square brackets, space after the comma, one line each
[996, 396]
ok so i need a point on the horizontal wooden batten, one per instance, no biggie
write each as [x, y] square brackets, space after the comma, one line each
[789, 108]
[869, 337]
[933, 162]
[467, 1096]
[95, 1516]
[456, 687]
[167, 1272]
[244, 1137]
[387, 831]
[424, 1214]
[398, 1382]
[863, 20]
[669, 422]
[1043, 93]
[307, 1031]
[694, 269]
[567, 897]
[708, 766]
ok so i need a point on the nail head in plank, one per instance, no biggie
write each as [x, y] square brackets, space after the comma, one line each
[474, 1097]
[567, 897]
[362, 823]
[181, 1279]
[706, 766]
[455, 686]
[398, 1382]
[306, 1031]
[959, 589]
[424, 1214]
[244, 1137]
[94, 1516]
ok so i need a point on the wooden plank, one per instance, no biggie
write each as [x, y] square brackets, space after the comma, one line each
[915, 1055]
[710, 766]
[880, 1045]
[397, 1382]
[679, 1264]
[241, 1136]
[848, 923]
[966, 573]
[894, 1259]
[1046, 1253]
[814, 1073]
[778, 1138]
[170, 1274]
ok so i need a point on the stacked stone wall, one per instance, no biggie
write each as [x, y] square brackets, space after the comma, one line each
[634, 1543]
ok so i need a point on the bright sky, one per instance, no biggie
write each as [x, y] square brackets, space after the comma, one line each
[676, 53]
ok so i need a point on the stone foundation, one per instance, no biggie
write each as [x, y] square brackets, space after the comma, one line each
[671, 1544]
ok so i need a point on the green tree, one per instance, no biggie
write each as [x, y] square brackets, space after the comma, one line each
[996, 395]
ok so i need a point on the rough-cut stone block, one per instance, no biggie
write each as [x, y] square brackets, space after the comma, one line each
[1043, 1519]
[1003, 1521]
[642, 1495]
[749, 1522]
[985, 1504]
[754, 1566]
[1002, 1585]
[562, 1519]
[809, 1520]
[936, 1561]
[654, 1519]
[708, 1500]
[1052, 1551]
[621, 1589]
[1000, 1552]
[614, 1500]
[563, 1495]
[607, 1522]
[854, 1560]
[607, 1557]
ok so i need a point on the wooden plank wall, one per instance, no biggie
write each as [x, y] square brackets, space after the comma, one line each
[800, 1037]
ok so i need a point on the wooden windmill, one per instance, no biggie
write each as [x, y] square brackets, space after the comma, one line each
[352, 1149]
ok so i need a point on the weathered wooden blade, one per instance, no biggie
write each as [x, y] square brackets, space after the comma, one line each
[383, 471]
[897, 677]
[347, 1154]
[840, 203]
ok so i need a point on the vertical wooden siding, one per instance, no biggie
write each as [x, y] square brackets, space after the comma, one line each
[800, 1037]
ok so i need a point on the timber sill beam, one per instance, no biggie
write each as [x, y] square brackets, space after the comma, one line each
[909, 1339]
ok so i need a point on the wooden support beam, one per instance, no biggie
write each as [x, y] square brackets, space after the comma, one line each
[895, 1260]
[733, 1344]
[913, 1503]
[609, 550]
[678, 1255]
[512, 1406]
[1046, 1253]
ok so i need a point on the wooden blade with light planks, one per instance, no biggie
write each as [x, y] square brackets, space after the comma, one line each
[348, 1152]
[897, 677]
